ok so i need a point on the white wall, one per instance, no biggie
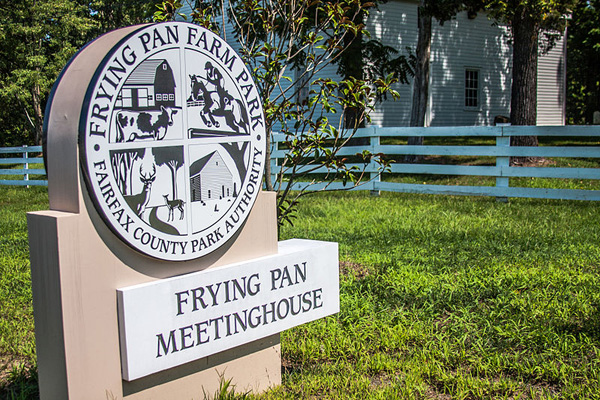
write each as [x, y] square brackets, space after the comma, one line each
[551, 85]
[475, 44]
[460, 43]
[395, 25]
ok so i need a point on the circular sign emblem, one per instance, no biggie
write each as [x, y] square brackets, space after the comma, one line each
[172, 141]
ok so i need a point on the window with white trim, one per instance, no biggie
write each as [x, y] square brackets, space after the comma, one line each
[124, 99]
[143, 97]
[471, 88]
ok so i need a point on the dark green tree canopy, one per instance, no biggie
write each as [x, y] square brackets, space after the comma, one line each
[37, 38]
[583, 63]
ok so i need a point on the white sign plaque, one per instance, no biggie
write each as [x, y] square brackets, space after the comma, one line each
[172, 141]
[177, 320]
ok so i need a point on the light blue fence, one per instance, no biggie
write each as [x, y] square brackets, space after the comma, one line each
[21, 158]
[501, 151]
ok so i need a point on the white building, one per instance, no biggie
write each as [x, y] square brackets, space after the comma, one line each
[211, 179]
[471, 61]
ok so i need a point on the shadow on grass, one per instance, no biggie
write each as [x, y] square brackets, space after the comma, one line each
[19, 383]
[588, 325]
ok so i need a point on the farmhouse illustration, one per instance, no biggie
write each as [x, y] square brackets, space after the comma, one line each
[211, 179]
[150, 86]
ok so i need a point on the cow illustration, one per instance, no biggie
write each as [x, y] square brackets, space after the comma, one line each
[143, 125]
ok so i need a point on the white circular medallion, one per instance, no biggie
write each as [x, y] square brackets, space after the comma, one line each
[172, 141]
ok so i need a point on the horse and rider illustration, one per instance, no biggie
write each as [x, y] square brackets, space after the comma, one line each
[216, 103]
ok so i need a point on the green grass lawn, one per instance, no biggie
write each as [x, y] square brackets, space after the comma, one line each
[17, 342]
[448, 297]
[441, 298]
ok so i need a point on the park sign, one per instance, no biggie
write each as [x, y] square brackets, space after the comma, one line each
[172, 141]
[157, 271]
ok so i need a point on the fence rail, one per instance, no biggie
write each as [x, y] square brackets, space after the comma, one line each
[28, 155]
[501, 152]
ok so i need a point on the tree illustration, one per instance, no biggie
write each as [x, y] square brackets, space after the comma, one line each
[237, 150]
[172, 157]
[121, 163]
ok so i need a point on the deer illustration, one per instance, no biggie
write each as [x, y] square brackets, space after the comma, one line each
[172, 205]
[138, 202]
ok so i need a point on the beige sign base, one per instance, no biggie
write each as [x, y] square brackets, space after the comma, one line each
[75, 277]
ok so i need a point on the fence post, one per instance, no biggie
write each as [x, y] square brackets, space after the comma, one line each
[374, 141]
[502, 162]
[26, 164]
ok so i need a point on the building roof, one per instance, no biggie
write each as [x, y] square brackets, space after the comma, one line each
[144, 73]
[199, 165]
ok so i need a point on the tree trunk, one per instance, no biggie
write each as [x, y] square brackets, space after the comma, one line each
[421, 80]
[523, 102]
[353, 61]
[173, 168]
[38, 115]
[236, 151]
[268, 172]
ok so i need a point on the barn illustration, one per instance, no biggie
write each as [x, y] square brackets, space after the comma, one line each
[211, 179]
[150, 86]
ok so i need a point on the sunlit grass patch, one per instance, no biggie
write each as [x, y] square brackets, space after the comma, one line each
[465, 298]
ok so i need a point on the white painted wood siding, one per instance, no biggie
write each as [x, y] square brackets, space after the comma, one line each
[395, 25]
[459, 44]
[551, 85]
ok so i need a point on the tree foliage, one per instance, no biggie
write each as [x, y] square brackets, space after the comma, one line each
[364, 58]
[109, 14]
[172, 157]
[287, 45]
[122, 164]
[37, 38]
[583, 63]
[547, 15]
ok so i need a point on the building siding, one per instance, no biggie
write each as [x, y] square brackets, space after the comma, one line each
[478, 45]
[458, 44]
[213, 181]
[551, 85]
[400, 34]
